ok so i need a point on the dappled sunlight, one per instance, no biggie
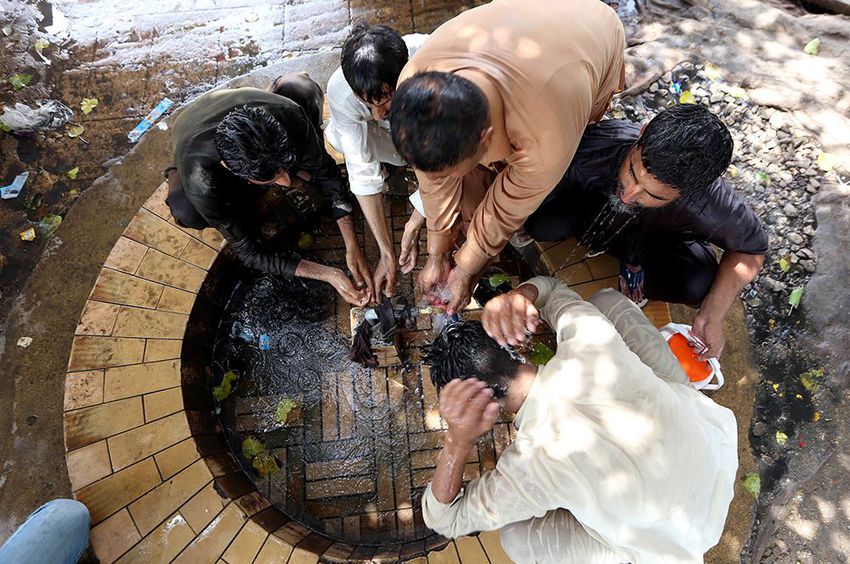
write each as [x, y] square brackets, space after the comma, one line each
[640, 429]
[503, 37]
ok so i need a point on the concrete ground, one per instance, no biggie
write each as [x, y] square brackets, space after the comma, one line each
[146, 53]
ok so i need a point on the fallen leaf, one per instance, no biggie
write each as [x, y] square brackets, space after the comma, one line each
[816, 417]
[497, 279]
[762, 178]
[20, 80]
[305, 241]
[265, 464]
[24, 342]
[771, 324]
[798, 396]
[812, 47]
[712, 72]
[794, 298]
[752, 483]
[733, 171]
[223, 390]
[72, 174]
[776, 387]
[251, 447]
[825, 162]
[49, 224]
[809, 379]
[781, 438]
[88, 104]
[75, 130]
[687, 97]
[540, 354]
[284, 406]
[784, 265]
[40, 45]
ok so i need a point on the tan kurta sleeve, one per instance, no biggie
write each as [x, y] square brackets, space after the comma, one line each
[442, 202]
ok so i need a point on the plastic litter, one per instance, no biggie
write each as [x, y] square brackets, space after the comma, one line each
[144, 125]
[49, 115]
[13, 189]
[49, 225]
[28, 234]
[24, 342]
[265, 342]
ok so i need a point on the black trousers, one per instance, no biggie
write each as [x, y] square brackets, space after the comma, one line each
[676, 269]
[299, 88]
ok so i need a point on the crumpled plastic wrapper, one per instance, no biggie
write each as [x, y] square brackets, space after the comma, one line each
[49, 115]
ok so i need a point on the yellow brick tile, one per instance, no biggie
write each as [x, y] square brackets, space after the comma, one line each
[603, 266]
[106, 496]
[246, 545]
[114, 537]
[212, 238]
[138, 379]
[126, 255]
[150, 509]
[102, 352]
[91, 424]
[97, 318]
[177, 457]
[492, 544]
[177, 301]
[587, 289]
[162, 544]
[156, 203]
[302, 556]
[470, 551]
[160, 404]
[83, 389]
[563, 254]
[658, 313]
[209, 545]
[274, 550]
[137, 322]
[199, 254]
[159, 267]
[88, 464]
[153, 231]
[141, 442]
[121, 288]
[203, 507]
[162, 349]
[577, 273]
[446, 556]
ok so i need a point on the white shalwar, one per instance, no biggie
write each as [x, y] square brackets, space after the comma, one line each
[616, 458]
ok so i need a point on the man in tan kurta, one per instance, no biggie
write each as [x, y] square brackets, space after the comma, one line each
[546, 68]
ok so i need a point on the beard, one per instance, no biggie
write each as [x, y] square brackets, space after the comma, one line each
[615, 201]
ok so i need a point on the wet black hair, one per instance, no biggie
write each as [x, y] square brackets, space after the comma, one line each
[463, 350]
[372, 57]
[437, 119]
[686, 147]
[253, 144]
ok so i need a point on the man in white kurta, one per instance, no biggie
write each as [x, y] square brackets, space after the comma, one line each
[616, 457]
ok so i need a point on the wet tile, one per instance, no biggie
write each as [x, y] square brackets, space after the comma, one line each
[221, 464]
[153, 507]
[387, 554]
[447, 555]
[203, 507]
[137, 379]
[253, 503]
[274, 551]
[577, 273]
[333, 468]
[199, 254]
[563, 254]
[493, 546]
[88, 464]
[346, 406]
[292, 532]
[159, 267]
[471, 551]
[141, 442]
[176, 301]
[137, 322]
[160, 404]
[153, 231]
[126, 255]
[91, 424]
[83, 389]
[114, 536]
[309, 549]
[329, 407]
[97, 318]
[351, 527]
[246, 545]
[121, 288]
[163, 544]
[162, 349]
[587, 289]
[106, 496]
[210, 544]
[102, 352]
[338, 552]
[175, 458]
[501, 438]
[340, 486]
[603, 266]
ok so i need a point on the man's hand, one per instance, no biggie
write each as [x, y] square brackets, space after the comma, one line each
[360, 271]
[469, 409]
[434, 275]
[709, 329]
[343, 285]
[506, 318]
[385, 276]
[460, 285]
[410, 243]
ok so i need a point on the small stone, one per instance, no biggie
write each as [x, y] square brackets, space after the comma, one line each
[759, 429]
[754, 303]
[653, 87]
[796, 238]
[32, 420]
[811, 189]
[811, 171]
[808, 265]
[790, 210]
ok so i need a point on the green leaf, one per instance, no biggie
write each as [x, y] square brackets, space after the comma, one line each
[540, 354]
[781, 438]
[305, 241]
[40, 45]
[75, 130]
[20, 80]
[284, 406]
[762, 178]
[812, 47]
[810, 379]
[223, 390]
[72, 174]
[687, 97]
[784, 265]
[251, 447]
[795, 297]
[497, 279]
[265, 464]
[88, 104]
[49, 224]
[752, 483]
[5, 127]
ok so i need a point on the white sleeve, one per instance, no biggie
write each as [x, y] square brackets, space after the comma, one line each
[416, 202]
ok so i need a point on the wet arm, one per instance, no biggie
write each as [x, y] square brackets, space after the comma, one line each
[735, 271]
[373, 210]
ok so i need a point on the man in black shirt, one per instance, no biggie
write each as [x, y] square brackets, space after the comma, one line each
[231, 144]
[653, 198]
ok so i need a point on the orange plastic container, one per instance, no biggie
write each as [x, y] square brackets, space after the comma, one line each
[696, 369]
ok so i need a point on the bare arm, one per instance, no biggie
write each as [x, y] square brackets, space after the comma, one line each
[385, 273]
[354, 256]
[333, 276]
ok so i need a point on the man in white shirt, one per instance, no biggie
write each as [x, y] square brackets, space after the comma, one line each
[616, 458]
[359, 95]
